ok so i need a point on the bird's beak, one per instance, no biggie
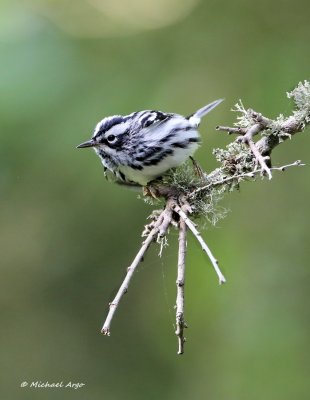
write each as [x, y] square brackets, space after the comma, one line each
[89, 143]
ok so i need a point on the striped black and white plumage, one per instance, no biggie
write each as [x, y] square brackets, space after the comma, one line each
[142, 146]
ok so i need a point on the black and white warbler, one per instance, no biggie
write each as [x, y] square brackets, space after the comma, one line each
[142, 146]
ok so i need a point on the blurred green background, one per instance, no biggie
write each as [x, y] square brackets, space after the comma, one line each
[67, 235]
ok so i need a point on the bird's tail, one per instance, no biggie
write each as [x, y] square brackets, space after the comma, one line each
[196, 117]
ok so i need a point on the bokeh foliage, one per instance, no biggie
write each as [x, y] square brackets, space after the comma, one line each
[67, 235]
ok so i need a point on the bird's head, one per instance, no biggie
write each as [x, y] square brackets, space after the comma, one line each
[109, 135]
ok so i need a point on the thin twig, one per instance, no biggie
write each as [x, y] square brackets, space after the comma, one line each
[124, 287]
[247, 138]
[180, 323]
[204, 246]
[230, 130]
[243, 175]
[158, 227]
[221, 182]
[296, 163]
[260, 159]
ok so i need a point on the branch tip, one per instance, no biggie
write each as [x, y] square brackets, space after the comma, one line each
[222, 280]
[105, 332]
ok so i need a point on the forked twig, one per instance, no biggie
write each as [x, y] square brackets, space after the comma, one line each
[260, 123]
[260, 159]
[159, 229]
[204, 246]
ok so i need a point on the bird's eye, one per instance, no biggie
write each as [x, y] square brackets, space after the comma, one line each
[148, 123]
[111, 138]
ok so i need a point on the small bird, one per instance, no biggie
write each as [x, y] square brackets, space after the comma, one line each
[140, 147]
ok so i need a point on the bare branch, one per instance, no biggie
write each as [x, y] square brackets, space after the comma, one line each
[204, 246]
[230, 130]
[236, 178]
[124, 287]
[260, 159]
[180, 323]
[159, 227]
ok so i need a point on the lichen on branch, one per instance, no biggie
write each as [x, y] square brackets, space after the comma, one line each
[185, 194]
[242, 159]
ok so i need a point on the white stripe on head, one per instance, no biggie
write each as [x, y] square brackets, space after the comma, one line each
[119, 128]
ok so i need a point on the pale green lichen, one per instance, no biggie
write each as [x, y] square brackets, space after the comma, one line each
[205, 203]
[237, 162]
[244, 119]
[301, 97]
